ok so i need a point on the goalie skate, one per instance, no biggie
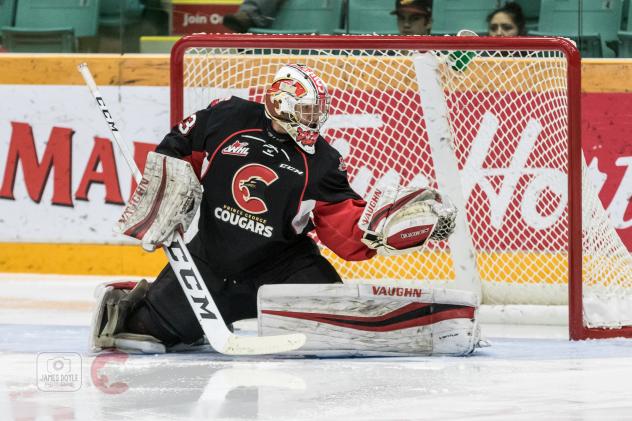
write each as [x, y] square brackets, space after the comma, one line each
[114, 302]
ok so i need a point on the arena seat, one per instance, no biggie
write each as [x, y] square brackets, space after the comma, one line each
[47, 26]
[305, 17]
[600, 22]
[120, 12]
[7, 12]
[450, 16]
[531, 11]
[37, 40]
[370, 17]
[81, 15]
[625, 35]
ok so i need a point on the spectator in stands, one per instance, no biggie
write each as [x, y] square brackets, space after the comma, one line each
[414, 17]
[257, 13]
[506, 21]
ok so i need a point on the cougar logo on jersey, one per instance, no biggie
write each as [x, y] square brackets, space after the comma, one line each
[248, 188]
[237, 148]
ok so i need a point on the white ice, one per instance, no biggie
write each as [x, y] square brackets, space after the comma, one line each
[523, 376]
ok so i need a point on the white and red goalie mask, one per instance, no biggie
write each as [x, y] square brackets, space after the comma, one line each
[298, 100]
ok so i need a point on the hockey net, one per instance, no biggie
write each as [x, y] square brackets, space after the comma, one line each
[509, 113]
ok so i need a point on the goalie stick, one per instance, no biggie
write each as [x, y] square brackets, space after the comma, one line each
[200, 299]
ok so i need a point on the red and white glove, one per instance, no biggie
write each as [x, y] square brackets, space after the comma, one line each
[402, 220]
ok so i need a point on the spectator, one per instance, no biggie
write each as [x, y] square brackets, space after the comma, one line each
[414, 17]
[257, 13]
[506, 21]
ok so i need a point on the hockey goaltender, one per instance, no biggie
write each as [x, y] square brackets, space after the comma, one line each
[269, 179]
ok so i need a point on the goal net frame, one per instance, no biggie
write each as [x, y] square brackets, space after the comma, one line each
[577, 328]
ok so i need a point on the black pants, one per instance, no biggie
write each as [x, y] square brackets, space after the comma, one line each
[166, 314]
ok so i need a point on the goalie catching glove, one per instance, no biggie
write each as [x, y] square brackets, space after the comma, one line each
[165, 200]
[402, 220]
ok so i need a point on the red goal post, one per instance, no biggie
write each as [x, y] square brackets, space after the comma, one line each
[503, 114]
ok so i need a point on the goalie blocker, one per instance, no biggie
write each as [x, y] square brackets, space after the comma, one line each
[372, 318]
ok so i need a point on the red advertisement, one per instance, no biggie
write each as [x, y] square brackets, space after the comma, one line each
[513, 165]
[607, 144]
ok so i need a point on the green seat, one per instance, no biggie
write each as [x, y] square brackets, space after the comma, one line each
[600, 21]
[37, 40]
[370, 17]
[589, 46]
[450, 16]
[530, 8]
[7, 12]
[531, 11]
[625, 36]
[81, 15]
[625, 46]
[120, 12]
[305, 17]
[626, 15]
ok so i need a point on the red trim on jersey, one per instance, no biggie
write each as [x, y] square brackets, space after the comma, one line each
[230, 136]
[337, 227]
[410, 315]
[196, 159]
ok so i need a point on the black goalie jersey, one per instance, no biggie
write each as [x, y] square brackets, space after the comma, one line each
[262, 193]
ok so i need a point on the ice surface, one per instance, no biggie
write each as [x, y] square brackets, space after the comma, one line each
[518, 378]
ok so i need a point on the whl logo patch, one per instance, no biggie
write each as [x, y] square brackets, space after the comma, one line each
[237, 148]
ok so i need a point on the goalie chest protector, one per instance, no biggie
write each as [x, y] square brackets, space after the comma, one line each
[259, 187]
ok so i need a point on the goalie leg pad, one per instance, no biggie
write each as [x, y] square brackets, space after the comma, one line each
[362, 318]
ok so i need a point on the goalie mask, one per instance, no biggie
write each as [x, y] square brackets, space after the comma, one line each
[299, 102]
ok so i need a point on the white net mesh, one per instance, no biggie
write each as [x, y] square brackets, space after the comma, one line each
[508, 117]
